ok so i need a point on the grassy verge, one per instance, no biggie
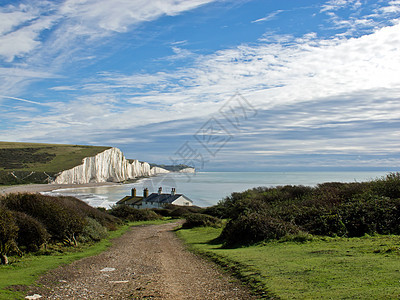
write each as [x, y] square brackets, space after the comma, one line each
[330, 268]
[26, 270]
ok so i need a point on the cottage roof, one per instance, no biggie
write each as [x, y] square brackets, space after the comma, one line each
[129, 200]
[162, 198]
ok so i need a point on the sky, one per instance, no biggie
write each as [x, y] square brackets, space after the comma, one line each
[230, 85]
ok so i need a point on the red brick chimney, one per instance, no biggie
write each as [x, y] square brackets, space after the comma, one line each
[145, 192]
[134, 192]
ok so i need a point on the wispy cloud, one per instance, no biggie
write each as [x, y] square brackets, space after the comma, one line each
[71, 27]
[20, 99]
[269, 17]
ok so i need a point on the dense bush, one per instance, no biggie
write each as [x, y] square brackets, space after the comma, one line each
[129, 213]
[388, 186]
[8, 234]
[28, 221]
[201, 220]
[31, 233]
[179, 212]
[254, 227]
[62, 222]
[64, 218]
[331, 209]
[93, 231]
[86, 210]
[162, 211]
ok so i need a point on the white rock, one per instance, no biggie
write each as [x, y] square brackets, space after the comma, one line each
[107, 269]
[158, 170]
[35, 296]
[107, 166]
[188, 170]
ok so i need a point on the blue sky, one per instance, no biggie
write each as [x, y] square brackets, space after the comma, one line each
[221, 85]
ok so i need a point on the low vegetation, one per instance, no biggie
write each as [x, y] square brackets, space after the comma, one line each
[201, 220]
[331, 241]
[30, 222]
[329, 209]
[131, 214]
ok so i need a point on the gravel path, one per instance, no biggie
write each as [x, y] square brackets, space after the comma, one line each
[148, 262]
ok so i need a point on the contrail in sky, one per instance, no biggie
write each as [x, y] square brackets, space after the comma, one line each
[20, 99]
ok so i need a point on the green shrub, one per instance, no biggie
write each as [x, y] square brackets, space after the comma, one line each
[93, 231]
[254, 227]
[372, 214]
[217, 211]
[201, 220]
[8, 234]
[62, 222]
[121, 211]
[162, 211]
[388, 186]
[31, 234]
[179, 212]
[143, 215]
[85, 210]
[129, 213]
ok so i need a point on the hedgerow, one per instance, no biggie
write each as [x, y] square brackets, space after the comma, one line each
[329, 209]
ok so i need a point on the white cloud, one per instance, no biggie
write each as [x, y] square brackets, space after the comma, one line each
[269, 17]
[334, 5]
[269, 75]
[72, 26]
[97, 16]
[276, 72]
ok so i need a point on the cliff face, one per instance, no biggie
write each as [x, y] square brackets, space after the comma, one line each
[188, 170]
[158, 170]
[107, 166]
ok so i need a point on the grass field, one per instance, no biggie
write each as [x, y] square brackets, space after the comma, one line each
[330, 268]
[26, 270]
[43, 157]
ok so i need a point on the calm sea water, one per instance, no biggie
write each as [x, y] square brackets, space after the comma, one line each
[207, 188]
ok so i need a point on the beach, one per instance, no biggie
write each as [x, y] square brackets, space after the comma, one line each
[38, 188]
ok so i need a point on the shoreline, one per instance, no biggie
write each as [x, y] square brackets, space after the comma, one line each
[38, 188]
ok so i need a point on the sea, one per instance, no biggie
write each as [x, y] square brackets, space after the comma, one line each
[208, 188]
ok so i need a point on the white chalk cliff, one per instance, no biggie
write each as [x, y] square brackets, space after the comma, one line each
[107, 166]
[158, 170]
[187, 170]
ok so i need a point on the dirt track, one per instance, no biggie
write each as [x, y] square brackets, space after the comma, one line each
[148, 262]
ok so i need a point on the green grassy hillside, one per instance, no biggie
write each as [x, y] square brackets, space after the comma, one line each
[24, 158]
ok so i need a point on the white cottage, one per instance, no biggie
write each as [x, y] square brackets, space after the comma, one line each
[159, 200]
[155, 200]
